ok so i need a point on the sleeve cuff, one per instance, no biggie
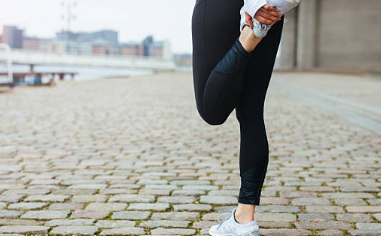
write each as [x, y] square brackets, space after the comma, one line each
[252, 6]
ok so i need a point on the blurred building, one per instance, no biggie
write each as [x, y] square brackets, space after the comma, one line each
[158, 49]
[326, 34]
[108, 36]
[148, 47]
[32, 44]
[184, 59]
[55, 47]
[98, 42]
[162, 50]
[131, 49]
[102, 49]
[37, 44]
[104, 42]
[12, 36]
[73, 47]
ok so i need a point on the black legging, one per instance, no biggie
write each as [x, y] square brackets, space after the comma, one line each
[215, 29]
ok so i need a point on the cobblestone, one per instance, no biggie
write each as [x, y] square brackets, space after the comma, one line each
[132, 156]
[162, 231]
[330, 232]
[10, 198]
[177, 199]
[218, 200]
[176, 216]
[377, 216]
[45, 214]
[66, 206]
[288, 232]
[165, 223]
[124, 231]
[115, 223]
[10, 214]
[350, 201]
[89, 198]
[365, 232]
[192, 207]
[66, 222]
[132, 198]
[72, 230]
[276, 217]
[324, 225]
[278, 208]
[47, 198]
[368, 226]
[325, 209]
[92, 214]
[130, 215]
[27, 205]
[364, 209]
[8, 222]
[316, 217]
[106, 206]
[149, 206]
[22, 229]
[363, 218]
[311, 202]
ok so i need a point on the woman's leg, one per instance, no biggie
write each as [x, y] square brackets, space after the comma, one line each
[218, 58]
[254, 146]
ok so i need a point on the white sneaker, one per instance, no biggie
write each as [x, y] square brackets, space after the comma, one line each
[282, 6]
[230, 227]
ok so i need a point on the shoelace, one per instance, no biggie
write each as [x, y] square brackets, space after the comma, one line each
[263, 26]
[221, 222]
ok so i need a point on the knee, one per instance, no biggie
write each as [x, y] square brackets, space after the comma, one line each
[211, 118]
[214, 122]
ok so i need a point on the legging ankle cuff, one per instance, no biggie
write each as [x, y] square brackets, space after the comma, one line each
[234, 60]
[252, 201]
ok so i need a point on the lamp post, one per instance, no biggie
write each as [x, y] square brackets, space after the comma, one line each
[68, 16]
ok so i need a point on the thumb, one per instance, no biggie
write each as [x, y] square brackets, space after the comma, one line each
[249, 20]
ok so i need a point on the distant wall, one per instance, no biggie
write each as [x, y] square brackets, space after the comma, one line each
[332, 34]
[349, 33]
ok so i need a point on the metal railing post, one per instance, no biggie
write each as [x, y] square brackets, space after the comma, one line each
[9, 61]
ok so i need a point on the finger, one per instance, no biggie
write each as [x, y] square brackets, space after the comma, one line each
[264, 20]
[250, 23]
[273, 13]
[248, 16]
[268, 16]
[269, 8]
[249, 20]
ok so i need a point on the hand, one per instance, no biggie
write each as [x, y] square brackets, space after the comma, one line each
[249, 20]
[266, 15]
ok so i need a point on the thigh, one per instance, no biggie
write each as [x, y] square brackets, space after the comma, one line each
[258, 73]
[215, 26]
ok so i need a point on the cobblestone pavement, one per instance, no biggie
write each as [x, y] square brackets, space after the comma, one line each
[132, 157]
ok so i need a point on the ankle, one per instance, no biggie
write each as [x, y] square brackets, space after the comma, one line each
[248, 39]
[243, 219]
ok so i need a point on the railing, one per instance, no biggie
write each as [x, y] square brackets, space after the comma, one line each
[9, 64]
[43, 58]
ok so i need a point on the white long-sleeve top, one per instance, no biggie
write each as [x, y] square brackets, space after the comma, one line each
[252, 6]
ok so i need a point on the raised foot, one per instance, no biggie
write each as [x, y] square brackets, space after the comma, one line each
[248, 39]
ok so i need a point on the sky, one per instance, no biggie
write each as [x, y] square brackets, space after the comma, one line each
[133, 19]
